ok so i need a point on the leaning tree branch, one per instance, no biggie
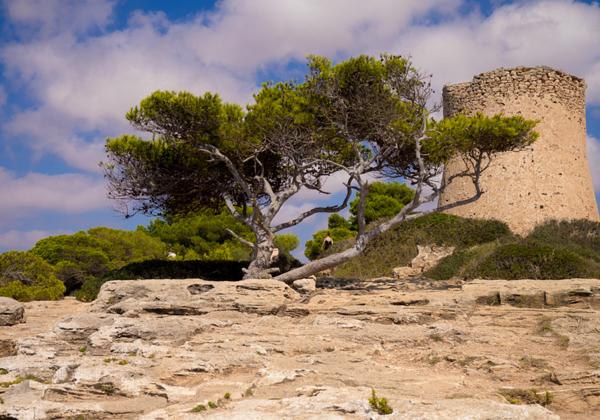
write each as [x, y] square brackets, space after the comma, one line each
[239, 238]
[235, 213]
[215, 152]
[315, 210]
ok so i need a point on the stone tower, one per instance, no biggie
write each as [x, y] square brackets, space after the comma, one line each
[551, 180]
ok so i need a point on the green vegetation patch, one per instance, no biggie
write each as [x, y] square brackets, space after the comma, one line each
[20, 379]
[165, 269]
[168, 269]
[534, 261]
[380, 404]
[526, 396]
[92, 254]
[25, 277]
[554, 250]
[398, 246]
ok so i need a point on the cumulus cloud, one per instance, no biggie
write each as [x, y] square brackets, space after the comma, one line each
[87, 84]
[81, 77]
[46, 17]
[35, 192]
[23, 240]
[46, 131]
[561, 34]
[261, 31]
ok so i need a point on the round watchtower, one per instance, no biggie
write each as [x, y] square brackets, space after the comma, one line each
[551, 179]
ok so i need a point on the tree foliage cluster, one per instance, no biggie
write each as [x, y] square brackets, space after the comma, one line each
[365, 116]
[25, 276]
[93, 253]
[68, 263]
[63, 263]
[210, 236]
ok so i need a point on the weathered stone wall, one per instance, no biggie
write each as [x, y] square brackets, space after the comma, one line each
[549, 180]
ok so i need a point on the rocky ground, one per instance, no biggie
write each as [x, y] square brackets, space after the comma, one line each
[257, 349]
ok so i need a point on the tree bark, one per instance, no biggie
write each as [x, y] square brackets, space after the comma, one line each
[319, 265]
[260, 266]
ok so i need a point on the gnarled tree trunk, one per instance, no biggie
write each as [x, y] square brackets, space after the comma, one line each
[260, 266]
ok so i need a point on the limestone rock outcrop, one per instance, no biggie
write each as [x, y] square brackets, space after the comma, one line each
[11, 311]
[308, 285]
[256, 349]
[427, 257]
[193, 297]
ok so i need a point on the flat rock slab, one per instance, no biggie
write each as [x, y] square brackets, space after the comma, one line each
[11, 312]
[193, 297]
[257, 349]
[582, 293]
[351, 403]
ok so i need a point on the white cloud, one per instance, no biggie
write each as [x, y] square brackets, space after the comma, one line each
[23, 240]
[593, 151]
[47, 131]
[292, 209]
[35, 192]
[82, 78]
[45, 17]
[87, 84]
[246, 35]
[561, 34]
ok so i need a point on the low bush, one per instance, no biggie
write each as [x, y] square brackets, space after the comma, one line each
[380, 404]
[527, 396]
[581, 236]
[398, 246]
[165, 269]
[96, 252]
[533, 261]
[554, 250]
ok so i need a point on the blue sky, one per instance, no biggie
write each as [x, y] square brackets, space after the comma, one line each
[69, 69]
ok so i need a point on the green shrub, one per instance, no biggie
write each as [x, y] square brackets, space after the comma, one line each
[203, 235]
[398, 246]
[384, 200]
[553, 250]
[380, 405]
[527, 396]
[165, 269]
[451, 265]
[581, 236]
[83, 255]
[199, 408]
[25, 277]
[313, 248]
[534, 261]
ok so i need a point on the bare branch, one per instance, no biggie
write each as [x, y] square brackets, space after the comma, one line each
[239, 238]
[326, 209]
[213, 151]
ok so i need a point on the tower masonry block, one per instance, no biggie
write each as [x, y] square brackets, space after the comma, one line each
[549, 180]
